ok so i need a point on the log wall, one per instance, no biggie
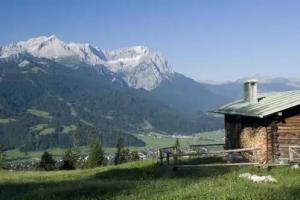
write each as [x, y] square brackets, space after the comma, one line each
[233, 128]
[272, 142]
[252, 132]
[288, 134]
[280, 133]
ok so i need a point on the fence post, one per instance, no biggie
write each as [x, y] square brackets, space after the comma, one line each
[175, 159]
[168, 158]
[175, 156]
[160, 156]
[291, 155]
[255, 155]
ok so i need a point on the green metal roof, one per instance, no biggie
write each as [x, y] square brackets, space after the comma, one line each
[268, 103]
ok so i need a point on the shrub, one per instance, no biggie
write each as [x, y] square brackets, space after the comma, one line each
[69, 160]
[47, 162]
[123, 154]
[134, 156]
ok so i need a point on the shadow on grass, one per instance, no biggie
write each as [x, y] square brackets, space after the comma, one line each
[102, 185]
[118, 182]
[157, 171]
[202, 160]
[82, 189]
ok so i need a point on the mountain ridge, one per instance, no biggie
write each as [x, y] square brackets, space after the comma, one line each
[139, 66]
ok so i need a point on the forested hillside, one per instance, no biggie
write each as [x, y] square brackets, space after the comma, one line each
[46, 104]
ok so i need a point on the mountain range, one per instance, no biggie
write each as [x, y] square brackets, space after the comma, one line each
[234, 89]
[138, 66]
[56, 94]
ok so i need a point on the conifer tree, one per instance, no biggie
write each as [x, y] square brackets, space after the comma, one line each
[2, 156]
[119, 152]
[76, 150]
[123, 154]
[176, 150]
[69, 160]
[47, 162]
[96, 154]
[177, 145]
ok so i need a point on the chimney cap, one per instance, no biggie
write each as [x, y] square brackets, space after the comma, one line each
[251, 81]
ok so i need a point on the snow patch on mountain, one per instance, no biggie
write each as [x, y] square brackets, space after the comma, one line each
[23, 63]
[53, 48]
[138, 66]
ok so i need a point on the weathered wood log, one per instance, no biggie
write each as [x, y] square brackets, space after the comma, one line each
[288, 127]
[218, 165]
[294, 153]
[294, 121]
[286, 136]
[288, 142]
[296, 124]
[274, 145]
[282, 128]
[218, 152]
[291, 131]
[285, 145]
[206, 145]
[289, 134]
[291, 120]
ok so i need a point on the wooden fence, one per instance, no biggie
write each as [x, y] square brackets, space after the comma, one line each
[294, 154]
[195, 150]
[222, 153]
[172, 154]
[166, 153]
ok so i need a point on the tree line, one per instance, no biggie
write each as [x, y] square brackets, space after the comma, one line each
[73, 158]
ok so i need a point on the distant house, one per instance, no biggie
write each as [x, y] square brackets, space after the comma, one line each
[269, 121]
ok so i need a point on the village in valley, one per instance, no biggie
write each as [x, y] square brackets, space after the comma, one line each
[17, 160]
[149, 100]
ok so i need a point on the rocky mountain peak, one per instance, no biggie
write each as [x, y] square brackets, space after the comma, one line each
[139, 66]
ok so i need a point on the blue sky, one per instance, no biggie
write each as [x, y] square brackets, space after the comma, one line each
[207, 40]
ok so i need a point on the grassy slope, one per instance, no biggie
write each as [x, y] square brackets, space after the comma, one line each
[6, 120]
[145, 180]
[155, 140]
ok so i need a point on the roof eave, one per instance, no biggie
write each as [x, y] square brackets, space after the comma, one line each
[236, 113]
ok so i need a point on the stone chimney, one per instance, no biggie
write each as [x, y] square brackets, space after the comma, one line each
[250, 91]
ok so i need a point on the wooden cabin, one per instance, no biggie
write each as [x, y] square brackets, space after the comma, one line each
[269, 121]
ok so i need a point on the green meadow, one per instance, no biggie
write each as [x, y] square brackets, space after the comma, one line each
[148, 180]
[156, 140]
